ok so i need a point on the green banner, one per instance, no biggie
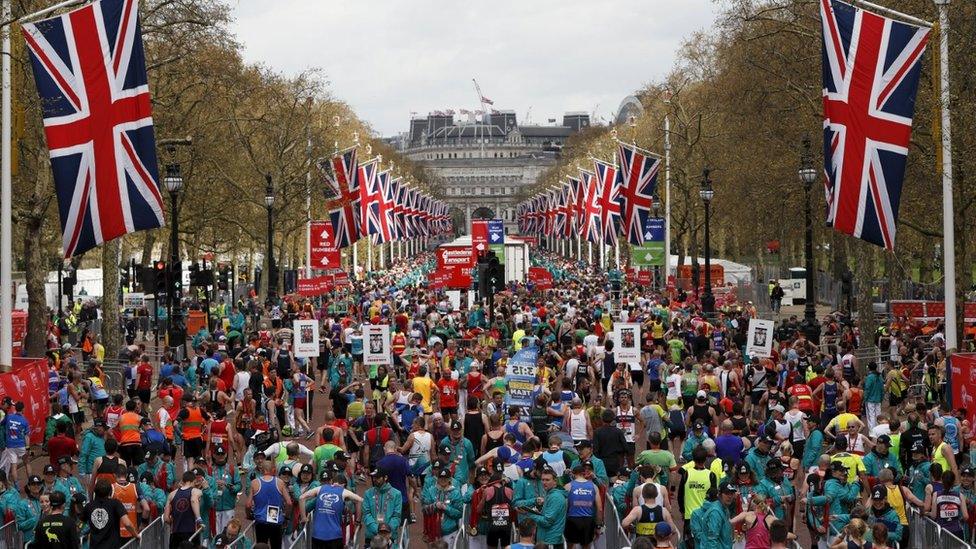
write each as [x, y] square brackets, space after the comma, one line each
[499, 250]
[651, 254]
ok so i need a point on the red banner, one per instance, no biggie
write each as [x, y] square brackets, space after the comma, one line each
[341, 279]
[479, 237]
[455, 258]
[963, 382]
[311, 287]
[530, 240]
[438, 279]
[540, 278]
[644, 278]
[27, 383]
[630, 275]
[18, 325]
[325, 255]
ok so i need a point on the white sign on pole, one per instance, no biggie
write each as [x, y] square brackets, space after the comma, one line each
[626, 342]
[454, 296]
[134, 300]
[376, 344]
[306, 338]
[760, 338]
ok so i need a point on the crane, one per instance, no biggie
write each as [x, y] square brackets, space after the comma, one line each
[481, 98]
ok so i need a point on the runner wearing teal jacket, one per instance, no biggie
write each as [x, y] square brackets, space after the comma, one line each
[447, 499]
[838, 494]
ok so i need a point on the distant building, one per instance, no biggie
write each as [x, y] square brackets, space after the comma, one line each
[485, 163]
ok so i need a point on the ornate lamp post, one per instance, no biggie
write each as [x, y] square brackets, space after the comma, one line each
[808, 174]
[706, 193]
[174, 183]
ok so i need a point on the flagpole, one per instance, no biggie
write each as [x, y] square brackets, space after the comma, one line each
[603, 256]
[308, 209]
[579, 248]
[616, 254]
[667, 193]
[589, 252]
[382, 258]
[6, 224]
[355, 260]
[369, 254]
[948, 223]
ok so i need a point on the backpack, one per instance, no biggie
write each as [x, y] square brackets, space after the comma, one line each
[63, 397]
[380, 436]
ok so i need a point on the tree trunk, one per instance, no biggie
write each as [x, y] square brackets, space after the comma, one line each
[111, 334]
[147, 248]
[863, 278]
[35, 272]
[35, 266]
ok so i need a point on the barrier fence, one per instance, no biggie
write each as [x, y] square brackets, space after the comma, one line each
[245, 540]
[614, 533]
[11, 537]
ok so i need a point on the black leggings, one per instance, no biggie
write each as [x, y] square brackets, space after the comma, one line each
[638, 377]
[268, 533]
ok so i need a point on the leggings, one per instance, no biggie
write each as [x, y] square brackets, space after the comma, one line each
[268, 533]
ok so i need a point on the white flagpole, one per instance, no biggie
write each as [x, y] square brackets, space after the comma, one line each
[948, 224]
[589, 252]
[603, 256]
[308, 210]
[667, 194]
[579, 248]
[382, 258]
[6, 224]
[355, 260]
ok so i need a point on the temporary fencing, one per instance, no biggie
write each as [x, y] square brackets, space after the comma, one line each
[11, 537]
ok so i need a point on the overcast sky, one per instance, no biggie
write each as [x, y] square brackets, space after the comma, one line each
[388, 58]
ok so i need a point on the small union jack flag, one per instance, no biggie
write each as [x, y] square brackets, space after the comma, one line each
[871, 66]
[90, 72]
[606, 175]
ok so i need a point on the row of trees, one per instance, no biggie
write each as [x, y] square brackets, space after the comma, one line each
[742, 96]
[245, 121]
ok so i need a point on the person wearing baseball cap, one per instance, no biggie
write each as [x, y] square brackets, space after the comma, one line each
[880, 457]
[227, 481]
[382, 505]
[712, 525]
[839, 494]
[329, 505]
[696, 437]
[462, 451]
[813, 445]
[777, 489]
[584, 449]
[881, 511]
[67, 482]
[55, 525]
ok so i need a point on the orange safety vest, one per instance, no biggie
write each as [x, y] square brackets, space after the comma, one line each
[168, 428]
[277, 387]
[193, 424]
[128, 497]
[129, 428]
[399, 344]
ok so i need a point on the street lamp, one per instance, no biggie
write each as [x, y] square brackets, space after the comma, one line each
[706, 193]
[808, 174]
[656, 212]
[269, 200]
[174, 183]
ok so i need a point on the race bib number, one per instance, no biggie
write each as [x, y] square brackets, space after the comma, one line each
[273, 514]
[949, 512]
[216, 439]
[499, 515]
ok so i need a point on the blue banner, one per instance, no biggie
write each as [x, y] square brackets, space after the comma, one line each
[654, 229]
[496, 231]
[521, 374]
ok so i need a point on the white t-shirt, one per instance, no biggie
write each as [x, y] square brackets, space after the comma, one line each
[795, 418]
[674, 386]
[590, 341]
[572, 367]
[241, 381]
[880, 429]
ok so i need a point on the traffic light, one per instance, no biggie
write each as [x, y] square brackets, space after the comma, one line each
[174, 279]
[223, 278]
[195, 274]
[491, 275]
[124, 276]
[68, 282]
[157, 277]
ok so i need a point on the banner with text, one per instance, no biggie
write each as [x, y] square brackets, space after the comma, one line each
[520, 376]
[325, 255]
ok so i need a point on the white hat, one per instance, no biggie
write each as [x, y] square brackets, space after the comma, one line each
[702, 394]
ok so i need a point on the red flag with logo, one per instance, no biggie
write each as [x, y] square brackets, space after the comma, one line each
[325, 254]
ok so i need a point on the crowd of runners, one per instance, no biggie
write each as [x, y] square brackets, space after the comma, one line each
[695, 445]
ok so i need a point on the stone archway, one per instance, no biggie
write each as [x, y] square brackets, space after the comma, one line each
[482, 213]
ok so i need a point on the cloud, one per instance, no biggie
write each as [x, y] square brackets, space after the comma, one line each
[389, 58]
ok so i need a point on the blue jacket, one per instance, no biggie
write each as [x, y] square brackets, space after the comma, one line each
[874, 463]
[812, 450]
[757, 462]
[839, 496]
[781, 495]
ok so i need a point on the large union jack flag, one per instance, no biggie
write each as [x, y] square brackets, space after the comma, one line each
[90, 71]
[344, 211]
[638, 171]
[871, 66]
[590, 222]
[606, 176]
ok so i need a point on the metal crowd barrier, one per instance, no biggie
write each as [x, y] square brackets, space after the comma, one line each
[154, 536]
[462, 530]
[613, 532]
[246, 538]
[925, 532]
[11, 537]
